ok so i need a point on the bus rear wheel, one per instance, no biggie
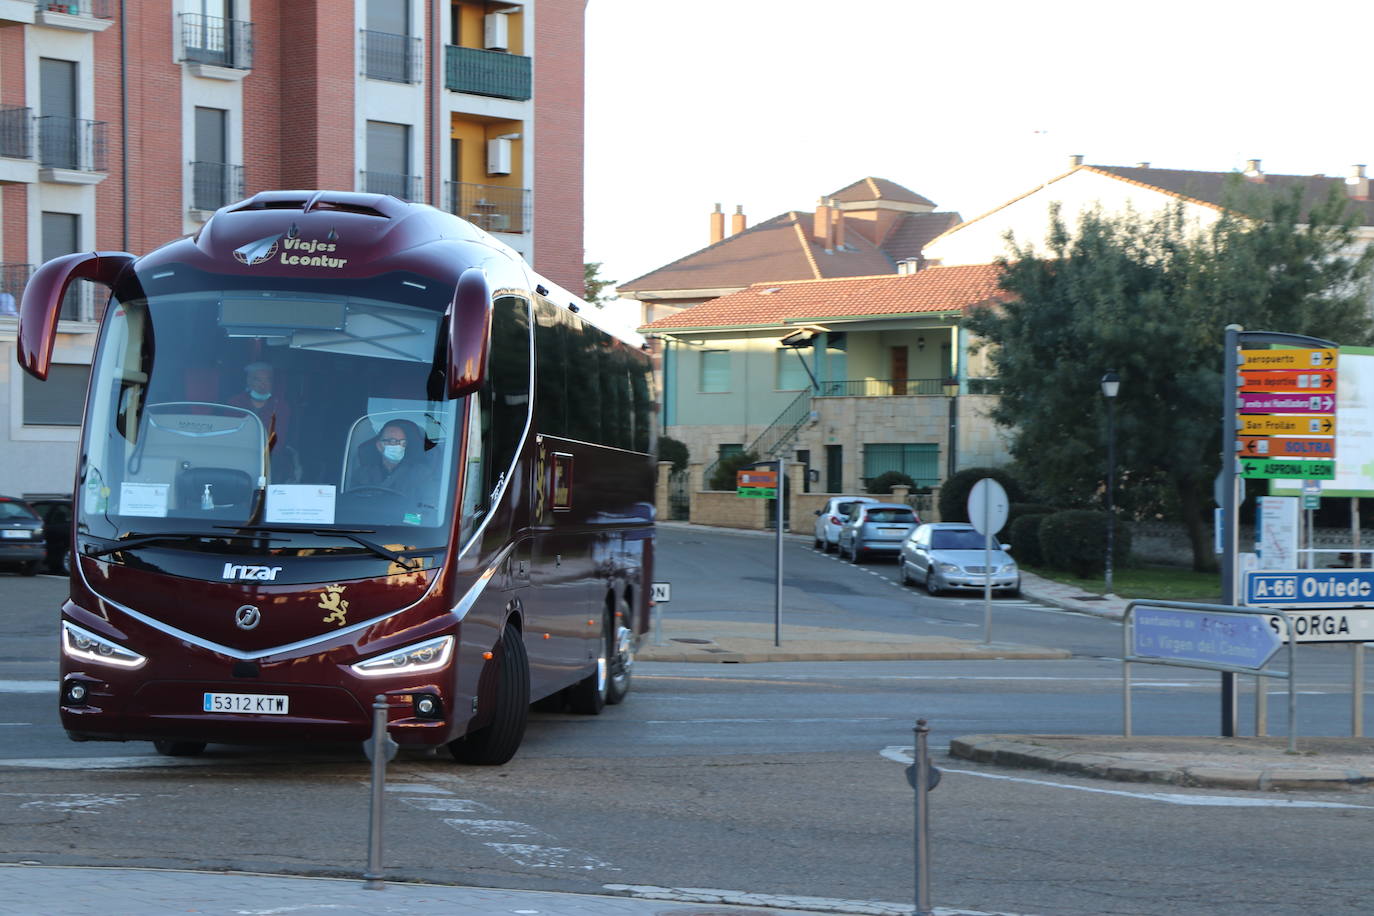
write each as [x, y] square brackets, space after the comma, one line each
[621, 662]
[588, 696]
[497, 741]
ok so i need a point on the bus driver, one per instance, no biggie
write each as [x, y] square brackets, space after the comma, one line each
[396, 461]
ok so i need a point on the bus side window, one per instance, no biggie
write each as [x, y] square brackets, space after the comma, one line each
[497, 414]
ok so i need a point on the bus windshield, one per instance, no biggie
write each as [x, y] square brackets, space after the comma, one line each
[228, 402]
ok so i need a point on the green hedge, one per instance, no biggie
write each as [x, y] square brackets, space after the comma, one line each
[723, 478]
[1076, 540]
[954, 491]
[882, 484]
[670, 449]
[1024, 537]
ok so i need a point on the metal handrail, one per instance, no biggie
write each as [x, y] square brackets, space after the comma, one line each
[70, 143]
[216, 41]
[16, 132]
[215, 184]
[495, 208]
[395, 58]
[781, 429]
[1127, 657]
[406, 187]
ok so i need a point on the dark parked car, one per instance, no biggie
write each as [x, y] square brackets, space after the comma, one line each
[873, 529]
[56, 512]
[21, 536]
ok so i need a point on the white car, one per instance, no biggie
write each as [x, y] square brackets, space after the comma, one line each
[830, 517]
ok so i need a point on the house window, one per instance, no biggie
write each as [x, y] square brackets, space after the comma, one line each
[918, 460]
[715, 371]
[212, 178]
[388, 160]
[59, 400]
[789, 374]
[729, 449]
[62, 235]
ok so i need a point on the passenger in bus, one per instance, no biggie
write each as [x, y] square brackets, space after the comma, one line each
[260, 396]
[395, 460]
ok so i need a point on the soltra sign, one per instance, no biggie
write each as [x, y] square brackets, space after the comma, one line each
[1310, 588]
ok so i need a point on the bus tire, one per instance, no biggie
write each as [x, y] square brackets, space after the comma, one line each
[497, 742]
[168, 748]
[588, 696]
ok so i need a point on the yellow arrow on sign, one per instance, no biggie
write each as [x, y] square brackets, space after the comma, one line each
[1288, 359]
[1286, 425]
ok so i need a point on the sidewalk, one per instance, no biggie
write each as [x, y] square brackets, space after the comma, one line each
[29, 890]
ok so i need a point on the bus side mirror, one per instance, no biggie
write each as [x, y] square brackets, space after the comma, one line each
[42, 301]
[469, 333]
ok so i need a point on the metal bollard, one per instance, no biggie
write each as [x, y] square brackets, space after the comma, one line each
[377, 750]
[923, 777]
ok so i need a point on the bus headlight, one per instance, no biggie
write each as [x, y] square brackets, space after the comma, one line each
[430, 655]
[85, 645]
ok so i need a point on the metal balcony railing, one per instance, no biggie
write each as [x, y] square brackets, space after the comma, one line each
[406, 187]
[881, 388]
[396, 58]
[491, 73]
[70, 143]
[12, 280]
[215, 184]
[218, 42]
[490, 207]
[16, 132]
[93, 9]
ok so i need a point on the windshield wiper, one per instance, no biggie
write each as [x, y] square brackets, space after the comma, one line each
[138, 539]
[352, 534]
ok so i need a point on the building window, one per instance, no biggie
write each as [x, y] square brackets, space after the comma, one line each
[715, 371]
[389, 51]
[789, 374]
[729, 449]
[59, 130]
[214, 182]
[918, 460]
[59, 400]
[388, 161]
[62, 235]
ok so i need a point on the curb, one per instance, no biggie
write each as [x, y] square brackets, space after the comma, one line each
[727, 656]
[1027, 754]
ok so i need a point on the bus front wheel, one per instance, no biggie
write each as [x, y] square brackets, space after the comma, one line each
[497, 741]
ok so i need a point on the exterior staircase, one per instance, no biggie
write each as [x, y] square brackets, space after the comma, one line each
[774, 440]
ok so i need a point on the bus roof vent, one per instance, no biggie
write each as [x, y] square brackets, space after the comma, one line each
[378, 205]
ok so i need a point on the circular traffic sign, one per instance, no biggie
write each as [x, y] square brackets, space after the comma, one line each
[987, 506]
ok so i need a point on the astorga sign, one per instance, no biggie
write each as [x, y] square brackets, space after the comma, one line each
[1310, 588]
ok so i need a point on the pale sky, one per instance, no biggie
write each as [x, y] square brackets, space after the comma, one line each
[773, 103]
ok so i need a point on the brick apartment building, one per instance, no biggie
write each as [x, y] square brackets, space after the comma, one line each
[125, 125]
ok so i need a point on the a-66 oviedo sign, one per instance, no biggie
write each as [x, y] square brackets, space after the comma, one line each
[1310, 588]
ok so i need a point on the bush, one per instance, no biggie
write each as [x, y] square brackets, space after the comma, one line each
[954, 492]
[724, 476]
[1019, 510]
[1024, 537]
[884, 482]
[670, 449]
[1075, 540]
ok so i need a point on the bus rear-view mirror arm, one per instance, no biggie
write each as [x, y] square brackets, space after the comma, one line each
[469, 333]
[42, 303]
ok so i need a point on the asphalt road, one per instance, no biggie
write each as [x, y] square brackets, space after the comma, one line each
[777, 779]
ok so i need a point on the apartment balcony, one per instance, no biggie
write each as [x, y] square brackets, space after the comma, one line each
[406, 187]
[215, 184]
[211, 45]
[491, 73]
[75, 15]
[12, 280]
[394, 58]
[490, 207]
[70, 150]
[17, 163]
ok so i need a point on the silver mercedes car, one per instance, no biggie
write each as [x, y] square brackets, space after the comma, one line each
[950, 555]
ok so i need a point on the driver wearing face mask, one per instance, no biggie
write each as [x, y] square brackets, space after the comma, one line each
[396, 462]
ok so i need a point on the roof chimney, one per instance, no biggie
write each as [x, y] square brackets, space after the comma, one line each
[717, 225]
[822, 226]
[1357, 185]
[1142, 165]
[1252, 170]
[737, 221]
[1075, 161]
[838, 215]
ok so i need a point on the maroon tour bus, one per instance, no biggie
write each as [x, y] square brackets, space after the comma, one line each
[338, 446]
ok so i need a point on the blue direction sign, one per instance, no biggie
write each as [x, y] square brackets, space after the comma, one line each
[1219, 639]
[1310, 588]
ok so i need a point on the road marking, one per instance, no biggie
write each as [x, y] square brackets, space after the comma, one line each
[813, 719]
[526, 854]
[774, 678]
[905, 755]
[28, 686]
[76, 802]
[780, 901]
[105, 763]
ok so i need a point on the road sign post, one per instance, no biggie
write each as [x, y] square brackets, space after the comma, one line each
[987, 510]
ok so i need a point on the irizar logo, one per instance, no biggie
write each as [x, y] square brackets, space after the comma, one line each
[250, 573]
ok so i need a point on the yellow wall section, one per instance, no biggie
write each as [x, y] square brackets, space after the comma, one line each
[474, 135]
[472, 22]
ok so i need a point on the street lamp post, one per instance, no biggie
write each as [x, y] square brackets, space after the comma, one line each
[951, 388]
[1111, 384]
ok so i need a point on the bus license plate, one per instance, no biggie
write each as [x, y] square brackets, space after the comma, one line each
[268, 704]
